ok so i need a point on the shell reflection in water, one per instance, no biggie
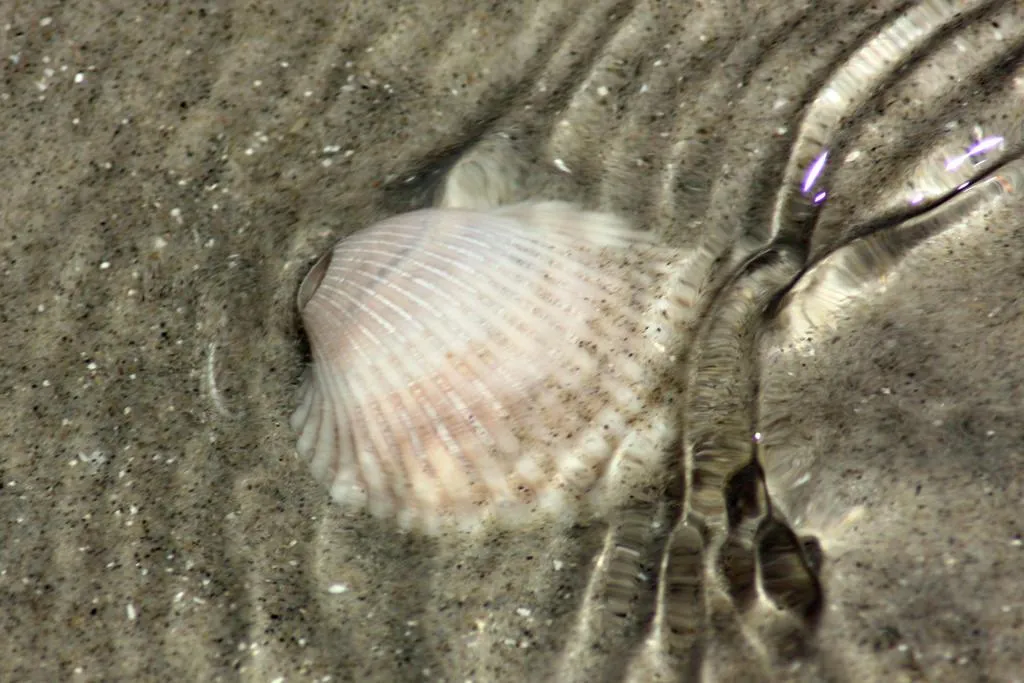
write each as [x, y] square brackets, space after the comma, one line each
[472, 364]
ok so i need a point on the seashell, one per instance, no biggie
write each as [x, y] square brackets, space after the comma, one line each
[476, 364]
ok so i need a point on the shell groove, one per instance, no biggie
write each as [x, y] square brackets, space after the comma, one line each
[472, 364]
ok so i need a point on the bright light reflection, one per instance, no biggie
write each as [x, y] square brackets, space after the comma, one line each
[814, 171]
[980, 146]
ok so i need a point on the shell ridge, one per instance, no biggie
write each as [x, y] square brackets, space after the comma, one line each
[324, 460]
[464, 457]
[334, 451]
[367, 436]
[524, 300]
[307, 397]
[481, 452]
[443, 336]
[489, 311]
[468, 363]
[309, 426]
[470, 450]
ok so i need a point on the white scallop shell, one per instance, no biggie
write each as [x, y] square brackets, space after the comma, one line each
[469, 364]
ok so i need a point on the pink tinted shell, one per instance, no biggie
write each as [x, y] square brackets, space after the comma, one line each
[483, 364]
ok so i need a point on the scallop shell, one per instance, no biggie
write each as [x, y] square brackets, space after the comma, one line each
[473, 364]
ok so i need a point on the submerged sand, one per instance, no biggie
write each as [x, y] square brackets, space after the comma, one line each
[170, 171]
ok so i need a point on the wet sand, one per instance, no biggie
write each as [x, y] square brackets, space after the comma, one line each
[171, 172]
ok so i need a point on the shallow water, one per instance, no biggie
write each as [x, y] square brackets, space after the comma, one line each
[855, 170]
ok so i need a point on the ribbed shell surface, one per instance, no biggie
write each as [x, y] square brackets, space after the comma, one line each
[483, 363]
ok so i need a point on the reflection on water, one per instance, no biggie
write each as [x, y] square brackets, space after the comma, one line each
[739, 586]
[905, 139]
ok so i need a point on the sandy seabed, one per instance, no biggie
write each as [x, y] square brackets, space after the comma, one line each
[171, 170]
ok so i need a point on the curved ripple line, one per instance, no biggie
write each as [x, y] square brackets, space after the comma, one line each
[839, 99]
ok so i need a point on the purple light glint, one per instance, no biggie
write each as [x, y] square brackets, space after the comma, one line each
[820, 197]
[814, 171]
[985, 144]
[978, 147]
